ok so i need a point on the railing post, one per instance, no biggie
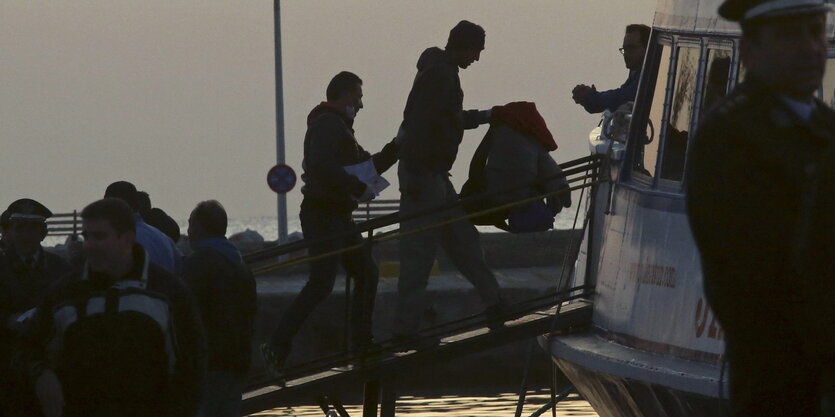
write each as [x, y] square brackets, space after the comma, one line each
[75, 225]
[371, 397]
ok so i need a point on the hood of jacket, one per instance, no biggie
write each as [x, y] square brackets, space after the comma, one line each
[434, 56]
[325, 107]
[222, 245]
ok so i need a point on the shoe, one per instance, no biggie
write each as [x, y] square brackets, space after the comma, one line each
[367, 352]
[401, 343]
[274, 360]
[495, 315]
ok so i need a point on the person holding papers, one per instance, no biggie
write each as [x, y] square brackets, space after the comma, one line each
[330, 195]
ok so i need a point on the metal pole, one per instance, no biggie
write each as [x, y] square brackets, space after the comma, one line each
[279, 120]
[371, 398]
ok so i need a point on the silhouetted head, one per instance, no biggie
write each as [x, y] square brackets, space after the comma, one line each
[208, 219]
[465, 43]
[634, 46]
[124, 191]
[345, 92]
[26, 225]
[143, 202]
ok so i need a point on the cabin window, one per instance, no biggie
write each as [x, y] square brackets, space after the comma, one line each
[716, 79]
[828, 93]
[647, 147]
[681, 108]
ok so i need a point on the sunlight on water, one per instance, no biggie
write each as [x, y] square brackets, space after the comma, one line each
[501, 405]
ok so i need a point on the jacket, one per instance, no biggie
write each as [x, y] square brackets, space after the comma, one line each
[161, 249]
[133, 346]
[434, 120]
[22, 287]
[224, 289]
[759, 199]
[513, 160]
[330, 145]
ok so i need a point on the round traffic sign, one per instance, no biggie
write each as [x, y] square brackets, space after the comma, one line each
[281, 178]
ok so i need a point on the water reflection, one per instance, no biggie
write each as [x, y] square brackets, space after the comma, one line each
[500, 405]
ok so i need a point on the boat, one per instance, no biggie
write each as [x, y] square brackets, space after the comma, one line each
[654, 347]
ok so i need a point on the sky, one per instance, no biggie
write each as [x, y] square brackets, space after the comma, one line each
[178, 96]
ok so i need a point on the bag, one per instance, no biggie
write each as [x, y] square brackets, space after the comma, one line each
[534, 217]
[475, 185]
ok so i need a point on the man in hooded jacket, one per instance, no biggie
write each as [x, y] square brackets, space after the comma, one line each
[433, 127]
[330, 195]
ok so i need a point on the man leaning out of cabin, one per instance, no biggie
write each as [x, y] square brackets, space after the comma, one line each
[634, 48]
[330, 195]
[225, 292]
[122, 337]
[761, 203]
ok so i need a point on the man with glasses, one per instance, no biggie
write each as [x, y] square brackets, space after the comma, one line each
[633, 51]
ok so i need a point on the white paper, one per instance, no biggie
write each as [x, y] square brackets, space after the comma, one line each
[367, 173]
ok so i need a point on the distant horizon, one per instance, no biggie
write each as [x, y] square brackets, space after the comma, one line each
[178, 97]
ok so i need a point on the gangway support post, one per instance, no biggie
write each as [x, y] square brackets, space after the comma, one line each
[371, 396]
[389, 398]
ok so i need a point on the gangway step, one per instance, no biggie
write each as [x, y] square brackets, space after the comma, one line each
[343, 374]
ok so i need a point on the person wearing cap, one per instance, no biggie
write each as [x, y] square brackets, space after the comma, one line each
[760, 202]
[432, 129]
[120, 337]
[633, 50]
[26, 271]
[161, 249]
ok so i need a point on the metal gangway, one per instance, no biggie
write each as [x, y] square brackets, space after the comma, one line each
[377, 371]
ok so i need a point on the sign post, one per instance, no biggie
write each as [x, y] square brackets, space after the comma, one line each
[279, 121]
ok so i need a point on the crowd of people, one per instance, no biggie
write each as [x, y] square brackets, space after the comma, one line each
[129, 326]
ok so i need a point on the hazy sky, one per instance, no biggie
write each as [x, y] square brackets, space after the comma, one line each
[177, 96]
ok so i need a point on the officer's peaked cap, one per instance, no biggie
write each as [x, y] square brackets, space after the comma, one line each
[27, 209]
[747, 10]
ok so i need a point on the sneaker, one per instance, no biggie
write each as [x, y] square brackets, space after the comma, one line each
[405, 342]
[365, 353]
[274, 361]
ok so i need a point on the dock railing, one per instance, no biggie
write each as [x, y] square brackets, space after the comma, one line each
[64, 224]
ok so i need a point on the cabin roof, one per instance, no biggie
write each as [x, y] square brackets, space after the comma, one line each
[693, 16]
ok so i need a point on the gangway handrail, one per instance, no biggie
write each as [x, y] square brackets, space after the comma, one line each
[395, 234]
[374, 370]
[444, 329]
[593, 162]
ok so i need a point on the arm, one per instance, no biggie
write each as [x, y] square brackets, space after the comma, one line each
[190, 368]
[387, 157]
[30, 358]
[598, 101]
[548, 168]
[476, 118]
